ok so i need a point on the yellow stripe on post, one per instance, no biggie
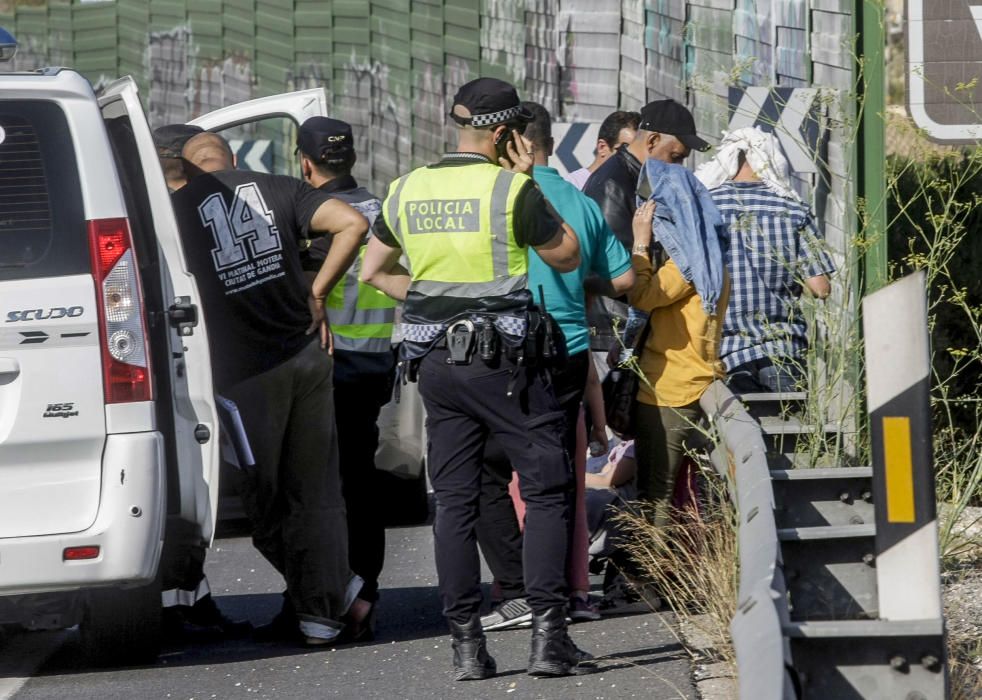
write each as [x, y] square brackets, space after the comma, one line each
[899, 469]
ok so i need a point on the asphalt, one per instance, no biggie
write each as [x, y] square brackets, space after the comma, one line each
[410, 658]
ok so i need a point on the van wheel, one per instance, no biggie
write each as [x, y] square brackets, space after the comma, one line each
[122, 627]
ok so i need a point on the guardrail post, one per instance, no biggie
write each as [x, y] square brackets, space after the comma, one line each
[898, 370]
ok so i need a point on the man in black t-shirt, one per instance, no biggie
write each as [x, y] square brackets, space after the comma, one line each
[239, 231]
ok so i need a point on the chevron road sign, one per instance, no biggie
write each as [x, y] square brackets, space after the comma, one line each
[255, 156]
[574, 146]
[789, 113]
[944, 68]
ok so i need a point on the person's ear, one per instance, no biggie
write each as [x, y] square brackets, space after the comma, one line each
[496, 134]
[651, 143]
[603, 149]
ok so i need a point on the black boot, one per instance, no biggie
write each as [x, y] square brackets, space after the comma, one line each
[553, 652]
[471, 661]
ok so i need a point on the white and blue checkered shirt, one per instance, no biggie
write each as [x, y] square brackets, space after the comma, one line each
[774, 246]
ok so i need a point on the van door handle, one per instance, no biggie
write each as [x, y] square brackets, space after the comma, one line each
[9, 367]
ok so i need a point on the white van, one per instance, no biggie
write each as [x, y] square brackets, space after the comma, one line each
[108, 428]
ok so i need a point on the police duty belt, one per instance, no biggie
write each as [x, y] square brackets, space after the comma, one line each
[513, 328]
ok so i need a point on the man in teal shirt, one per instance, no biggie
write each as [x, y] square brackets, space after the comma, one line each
[605, 269]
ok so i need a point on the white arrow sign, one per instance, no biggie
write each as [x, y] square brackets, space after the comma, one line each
[250, 154]
[977, 16]
[793, 113]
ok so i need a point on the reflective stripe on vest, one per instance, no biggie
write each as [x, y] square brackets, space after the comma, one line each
[433, 211]
[361, 316]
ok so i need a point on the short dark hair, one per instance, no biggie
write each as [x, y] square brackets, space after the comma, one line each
[611, 127]
[539, 128]
[334, 166]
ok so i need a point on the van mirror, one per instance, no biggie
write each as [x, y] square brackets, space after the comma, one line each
[8, 45]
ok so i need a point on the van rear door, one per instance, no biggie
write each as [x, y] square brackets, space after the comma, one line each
[186, 406]
[52, 417]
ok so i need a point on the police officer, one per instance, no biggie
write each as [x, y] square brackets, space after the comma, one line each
[364, 364]
[479, 348]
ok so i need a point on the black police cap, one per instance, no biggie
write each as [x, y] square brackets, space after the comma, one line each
[326, 140]
[170, 139]
[490, 102]
[669, 117]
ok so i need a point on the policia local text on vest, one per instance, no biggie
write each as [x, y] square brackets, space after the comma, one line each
[479, 348]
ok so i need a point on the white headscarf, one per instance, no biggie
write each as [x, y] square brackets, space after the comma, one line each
[763, 153]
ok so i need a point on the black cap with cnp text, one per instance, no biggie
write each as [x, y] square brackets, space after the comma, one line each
[669, 117]
[170, 139]
[326, 140]
[489, 102]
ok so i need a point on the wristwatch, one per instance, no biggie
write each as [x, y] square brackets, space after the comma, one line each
[640, 249]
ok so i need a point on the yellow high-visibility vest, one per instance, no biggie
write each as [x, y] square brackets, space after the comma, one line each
[455, 224]
[361, 316]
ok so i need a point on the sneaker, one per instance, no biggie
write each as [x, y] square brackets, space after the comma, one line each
[582, 610]
[510, 614]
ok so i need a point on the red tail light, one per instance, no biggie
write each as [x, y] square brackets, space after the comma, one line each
[80, 553]
[122, 324]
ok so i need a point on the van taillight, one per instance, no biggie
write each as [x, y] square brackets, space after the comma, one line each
[122, 326]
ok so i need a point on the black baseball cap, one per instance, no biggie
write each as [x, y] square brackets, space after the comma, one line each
[170, 139]
[326, 140]
[490, 102]
[669, 117]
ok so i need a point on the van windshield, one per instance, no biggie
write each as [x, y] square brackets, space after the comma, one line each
[42, 220]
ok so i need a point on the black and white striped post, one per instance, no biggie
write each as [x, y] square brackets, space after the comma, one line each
[898, 372]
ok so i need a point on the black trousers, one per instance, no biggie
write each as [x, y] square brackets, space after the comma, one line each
[359, 398]
[293, 494]
[498, 533]
[466, 404]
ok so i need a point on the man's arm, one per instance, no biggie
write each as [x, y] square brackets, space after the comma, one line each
[539, 226]
[562, 251]
[613, 288]
[381, 269]
[818, 286]
[348, 228]
[816, 265]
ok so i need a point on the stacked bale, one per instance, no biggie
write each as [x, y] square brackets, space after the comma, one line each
[632, 77]
[709, 60]
[352, 79]
[167, 61]
[95, 40]
[591, 79]
[391, 89]
[429, 102]
[205, 17]
[664, 34]
[792, 66]
[753, 33]
[462, 51]
[541, 63]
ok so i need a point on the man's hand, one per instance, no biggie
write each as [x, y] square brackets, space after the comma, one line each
[642, 224]
[520, 154]
[319, 322]
[598, 433]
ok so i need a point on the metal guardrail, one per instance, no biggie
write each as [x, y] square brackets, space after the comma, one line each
[807, 622]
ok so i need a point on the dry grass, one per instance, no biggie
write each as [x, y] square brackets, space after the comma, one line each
[965, 667]
[692, 565]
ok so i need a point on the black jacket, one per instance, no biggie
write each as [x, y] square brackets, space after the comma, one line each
[613, 186]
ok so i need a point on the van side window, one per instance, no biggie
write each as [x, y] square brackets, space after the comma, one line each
[42, 220]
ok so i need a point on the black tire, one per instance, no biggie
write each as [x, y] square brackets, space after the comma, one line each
[121, 626]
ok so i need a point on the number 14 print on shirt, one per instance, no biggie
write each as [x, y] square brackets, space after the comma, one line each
[248, 250]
